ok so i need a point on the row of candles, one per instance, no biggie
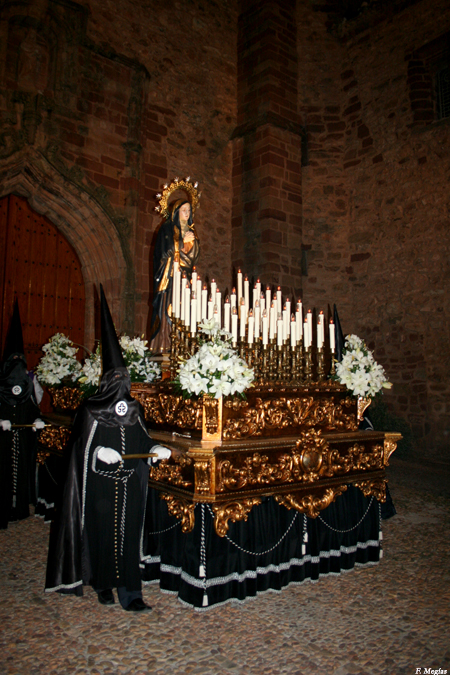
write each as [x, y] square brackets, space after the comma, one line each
[267, 318]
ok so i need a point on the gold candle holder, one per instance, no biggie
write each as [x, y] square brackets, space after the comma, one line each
[320, 365]
[333, 364]
[307, 365]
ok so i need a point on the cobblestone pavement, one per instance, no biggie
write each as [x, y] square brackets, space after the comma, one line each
[389, 619]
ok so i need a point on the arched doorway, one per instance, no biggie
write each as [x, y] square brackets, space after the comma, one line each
[42, 269]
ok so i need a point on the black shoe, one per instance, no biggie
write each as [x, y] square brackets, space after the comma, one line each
[106, 597]
[138, 605]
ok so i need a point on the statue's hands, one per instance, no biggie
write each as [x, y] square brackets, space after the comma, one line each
[188, 241]
[38, 424]
[108, 455]
[5, 425]
[163, 453]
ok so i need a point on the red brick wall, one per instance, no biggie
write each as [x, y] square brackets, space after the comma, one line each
[376, 203]
[121, 99]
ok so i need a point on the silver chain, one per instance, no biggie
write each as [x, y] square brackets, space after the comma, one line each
[262, 552]
[350, 528]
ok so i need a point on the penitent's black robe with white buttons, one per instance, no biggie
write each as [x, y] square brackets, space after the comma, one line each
[98, 537]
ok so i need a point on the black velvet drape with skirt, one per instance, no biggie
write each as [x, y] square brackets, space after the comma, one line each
[266, 553]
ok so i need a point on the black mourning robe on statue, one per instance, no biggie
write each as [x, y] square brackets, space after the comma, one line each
[97, 538]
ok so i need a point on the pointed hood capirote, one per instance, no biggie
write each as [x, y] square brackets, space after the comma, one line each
[15, 384]
[14, 338]
[113, 405]
[340, 340]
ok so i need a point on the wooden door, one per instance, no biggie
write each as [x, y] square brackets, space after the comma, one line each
[40, 267]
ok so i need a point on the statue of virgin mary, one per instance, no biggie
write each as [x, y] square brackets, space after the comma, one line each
[176, 241]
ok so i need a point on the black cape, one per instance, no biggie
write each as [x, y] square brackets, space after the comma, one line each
[98, 536]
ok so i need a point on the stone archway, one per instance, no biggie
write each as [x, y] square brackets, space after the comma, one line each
[84, 224]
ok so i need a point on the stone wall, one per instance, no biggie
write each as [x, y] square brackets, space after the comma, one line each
[376, 201]
[118, 100]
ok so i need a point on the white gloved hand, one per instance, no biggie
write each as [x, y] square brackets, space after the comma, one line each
[163, 453]
[108, 455]
[5, 425]
[38, 424]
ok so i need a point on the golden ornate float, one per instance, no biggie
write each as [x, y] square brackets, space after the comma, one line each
[299, 444]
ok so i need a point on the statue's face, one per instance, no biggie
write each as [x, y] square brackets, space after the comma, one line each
[185, 212]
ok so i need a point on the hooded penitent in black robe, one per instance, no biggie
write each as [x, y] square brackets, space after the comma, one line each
[168, 247]
[97, 537]
[18, 447]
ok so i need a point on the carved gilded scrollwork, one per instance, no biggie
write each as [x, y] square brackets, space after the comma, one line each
[362, 405]
[375, 487]
[311, 504]
[302, 464]
[66, 398]
[357, 458]
[291, 412]
[202, 471]
[212, 418]
[54, 438]
[390, 444]
[170, 409]
[167, 472]
[233, 511]
[307, 462]
[181, 509]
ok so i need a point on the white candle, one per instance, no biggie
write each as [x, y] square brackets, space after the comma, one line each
[198, 299]
[322, 327]
[255, 296]
[226, 314]
[288, 309]
[210, 308]
[243, 319]
[174, 286]
[299, 323]
[268, 298]
[272, 321]
[306, 341]
[233, 298]
[187, 304]
[265, 328]
[280, 330]
[285, 317]
[258, 289]
[247, 293]
[239, 287]
[279, 300]
[257, 319]
[193, 314]
[310, 330]
[293, 331]
[332, 336]
[262, 302]
[216, 316]
[251, 327]
[234, 325]
[213, 292]
[204, 301]
[218, 305]
[183, 297]
[319, 335]
[177, 284]
[194, 278]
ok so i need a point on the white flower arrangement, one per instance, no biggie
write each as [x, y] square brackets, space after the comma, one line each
[136, 355]
[59, 362]
[215, 369]
[91, 373]
[359, 371]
